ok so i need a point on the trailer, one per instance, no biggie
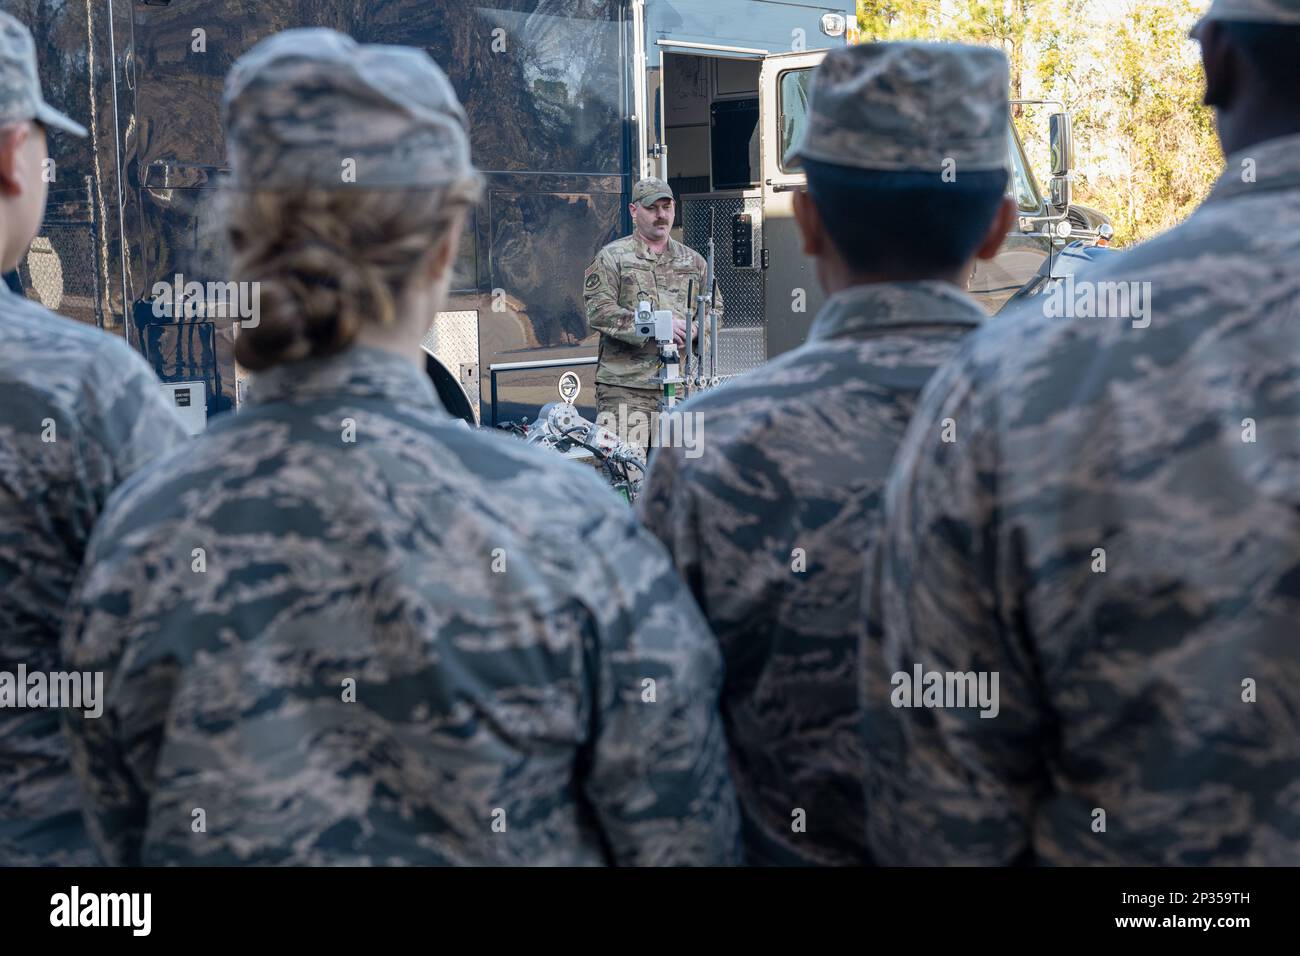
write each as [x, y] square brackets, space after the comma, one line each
[570, 102]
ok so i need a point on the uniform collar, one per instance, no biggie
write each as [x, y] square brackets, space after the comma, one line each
[1276, 165]
[359, 371]
[13, 298]
[862, 309]
[644, 251]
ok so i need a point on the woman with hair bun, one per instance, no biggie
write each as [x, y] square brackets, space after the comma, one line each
[341, 628]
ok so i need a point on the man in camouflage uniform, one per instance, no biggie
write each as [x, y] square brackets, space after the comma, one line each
[1111, 525]
[648, 265]
[410, 643]
[79, 411]
[769, 524]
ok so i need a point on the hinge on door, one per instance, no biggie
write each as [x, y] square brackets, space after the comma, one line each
[763, 258]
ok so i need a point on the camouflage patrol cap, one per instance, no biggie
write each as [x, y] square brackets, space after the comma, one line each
[20, 85]
[1285, 12]
[908, 107]
[302, 103]
[650, 190]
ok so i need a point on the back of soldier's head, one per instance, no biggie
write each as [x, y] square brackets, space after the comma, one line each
[1262, 73]
[906, 150]
[350, 166]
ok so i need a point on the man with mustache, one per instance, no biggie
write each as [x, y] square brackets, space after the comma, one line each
[648, 265]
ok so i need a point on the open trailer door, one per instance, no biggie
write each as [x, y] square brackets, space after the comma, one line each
[791, 292]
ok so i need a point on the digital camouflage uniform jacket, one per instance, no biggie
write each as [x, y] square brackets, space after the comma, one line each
[624, 273]
[769, 527]
[350, 630]
[1114, 530]
[79, 411]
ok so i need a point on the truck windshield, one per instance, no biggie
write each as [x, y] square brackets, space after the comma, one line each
[793, 104]
[1022, 182]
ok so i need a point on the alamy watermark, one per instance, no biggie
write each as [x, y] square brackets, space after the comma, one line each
[673, 429]
[922, 688]
[221, 300]
[1086, 299]
[78, 690]
[133, 911]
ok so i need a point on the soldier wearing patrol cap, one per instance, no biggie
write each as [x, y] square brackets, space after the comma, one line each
[79, 412]
[331, 625]
[771, 523]
[648, 265]
[1114, 533]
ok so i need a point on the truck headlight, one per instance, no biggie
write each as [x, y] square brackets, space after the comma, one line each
[1064, 229]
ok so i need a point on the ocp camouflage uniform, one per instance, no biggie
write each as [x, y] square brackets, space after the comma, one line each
[770, 524]
[349, 630]
[624, 273]
[1115, 532]
[633, 413]
[79, 411]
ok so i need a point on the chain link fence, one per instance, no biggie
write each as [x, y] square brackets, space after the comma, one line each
[60, 270]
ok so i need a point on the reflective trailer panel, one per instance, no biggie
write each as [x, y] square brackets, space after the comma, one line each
[546, 87]
[741, 334]
[453, 340]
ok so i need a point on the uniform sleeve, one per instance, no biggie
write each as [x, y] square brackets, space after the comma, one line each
[127, 420]
[658, 776]
[604, 314]
[113, 753]
[666, 508]
[948, 784]
[127, 423]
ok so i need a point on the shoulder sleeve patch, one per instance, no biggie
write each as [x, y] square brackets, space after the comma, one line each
[593, 280]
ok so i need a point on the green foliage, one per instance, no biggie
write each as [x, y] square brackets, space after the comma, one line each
[1145, 146]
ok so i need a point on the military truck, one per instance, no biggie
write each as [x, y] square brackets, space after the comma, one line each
[571, 101]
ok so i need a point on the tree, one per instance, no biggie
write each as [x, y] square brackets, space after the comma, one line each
[1145, 146]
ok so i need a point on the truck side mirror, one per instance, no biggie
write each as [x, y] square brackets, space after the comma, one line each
[1061, 192]
[1062, 146]
[1062, 143]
